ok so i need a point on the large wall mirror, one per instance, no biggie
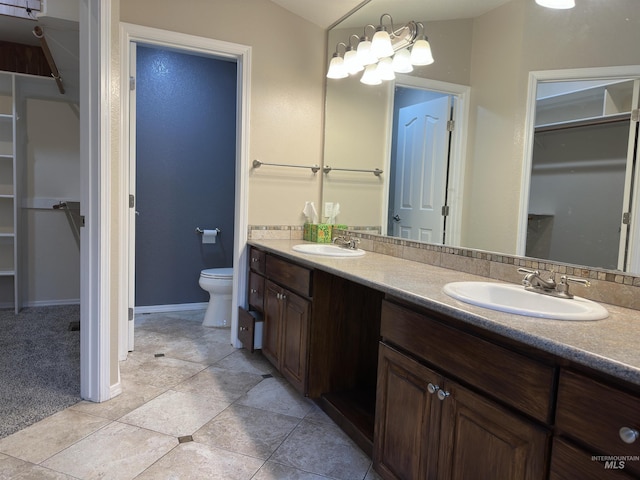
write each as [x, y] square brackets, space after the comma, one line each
[496, 62]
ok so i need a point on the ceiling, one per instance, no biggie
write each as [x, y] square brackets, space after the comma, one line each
[326, 13]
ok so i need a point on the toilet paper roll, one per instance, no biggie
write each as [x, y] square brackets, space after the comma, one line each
[209, 236]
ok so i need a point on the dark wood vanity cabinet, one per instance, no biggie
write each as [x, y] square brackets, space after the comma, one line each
[430, 426]
[281, 290]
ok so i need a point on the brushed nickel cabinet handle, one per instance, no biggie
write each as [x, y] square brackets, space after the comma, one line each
[431, 388]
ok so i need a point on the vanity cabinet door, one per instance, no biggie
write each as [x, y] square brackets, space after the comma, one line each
[407, 418]
[295, 339]
[286, 333]
[480, 439]
[272, 323]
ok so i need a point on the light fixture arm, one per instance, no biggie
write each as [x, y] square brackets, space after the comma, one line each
[390, 21]
[344, 47]
[351, 46]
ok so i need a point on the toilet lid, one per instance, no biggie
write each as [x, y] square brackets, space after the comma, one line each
[218, 273]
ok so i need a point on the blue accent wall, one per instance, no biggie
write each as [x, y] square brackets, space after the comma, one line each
[185, 172]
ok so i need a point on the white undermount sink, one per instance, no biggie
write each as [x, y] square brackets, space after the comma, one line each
[515, 299]
[327, 250]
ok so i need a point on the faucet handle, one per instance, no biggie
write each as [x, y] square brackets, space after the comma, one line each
[563, 286]
[528, 270]
[564, 279]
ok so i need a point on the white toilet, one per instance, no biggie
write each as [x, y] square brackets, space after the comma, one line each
[218, 282]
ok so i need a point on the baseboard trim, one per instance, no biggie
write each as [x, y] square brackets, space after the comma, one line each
[51, 303]
[176, 307]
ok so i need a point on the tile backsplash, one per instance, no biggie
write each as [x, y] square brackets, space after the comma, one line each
[607, 286]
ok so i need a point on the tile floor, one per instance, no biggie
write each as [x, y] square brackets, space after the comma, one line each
[192, 407]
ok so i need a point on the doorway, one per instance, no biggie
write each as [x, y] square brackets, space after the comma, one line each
[427, 159]
[176, 42]
[184, 174]
[419, 165]
[580, 172]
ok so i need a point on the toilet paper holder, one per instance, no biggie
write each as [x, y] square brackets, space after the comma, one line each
[201, 230]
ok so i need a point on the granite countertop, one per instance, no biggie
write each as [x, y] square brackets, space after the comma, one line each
[610, 345]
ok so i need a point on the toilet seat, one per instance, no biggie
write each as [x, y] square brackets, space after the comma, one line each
[219, 273]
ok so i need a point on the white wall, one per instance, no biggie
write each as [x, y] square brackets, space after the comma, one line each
[52, 256]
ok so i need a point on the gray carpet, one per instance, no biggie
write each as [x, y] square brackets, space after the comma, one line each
[39, 364]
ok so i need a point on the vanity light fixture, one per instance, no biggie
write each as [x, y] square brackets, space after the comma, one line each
[557, 4]
[351, 62]
[421, 51]
[389, 52]
[381, 43]
[337, 68]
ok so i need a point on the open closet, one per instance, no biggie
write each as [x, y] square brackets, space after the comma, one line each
[582, 166]
[39, 193]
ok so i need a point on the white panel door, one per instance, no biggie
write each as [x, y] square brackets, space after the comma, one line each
[421, 170]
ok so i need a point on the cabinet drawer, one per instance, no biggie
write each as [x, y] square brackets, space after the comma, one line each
[256, 291]
[292, 276]
[257, 260]
[246, 329]
[569, 462]
[505, 375]
[593, 413]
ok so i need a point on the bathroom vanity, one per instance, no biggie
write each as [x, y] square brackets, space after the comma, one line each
[434, 388]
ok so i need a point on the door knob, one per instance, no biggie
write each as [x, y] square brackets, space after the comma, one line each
[628, 435]
[396, 217]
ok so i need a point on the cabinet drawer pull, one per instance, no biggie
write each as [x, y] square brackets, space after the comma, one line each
[442, 394]
[628, 435]
[253, 290]
[243, 329]
[432, 388]
[255, 260]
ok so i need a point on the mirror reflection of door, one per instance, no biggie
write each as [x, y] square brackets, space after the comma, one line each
[583, 158]
[419, 165]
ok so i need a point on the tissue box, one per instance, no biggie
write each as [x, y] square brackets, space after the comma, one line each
[317, 232]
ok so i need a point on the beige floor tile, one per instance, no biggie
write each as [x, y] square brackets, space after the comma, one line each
[16, 469]
[176, 413]
[276, 395]
[276, 471]
[244, 361]
[194, 460]
[133, 396]
[316, 414]
[118, 452]
[202, 348]
[324, 449]
[247, 430]
[158, 371]
[218, 382]
[51, 435]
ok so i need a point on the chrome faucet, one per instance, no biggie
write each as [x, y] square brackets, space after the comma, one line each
[350, 242]
[533, 282]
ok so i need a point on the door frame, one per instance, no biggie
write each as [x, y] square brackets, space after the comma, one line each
[593, 73]
[458, 150]
[95, 195]
[131, 33]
